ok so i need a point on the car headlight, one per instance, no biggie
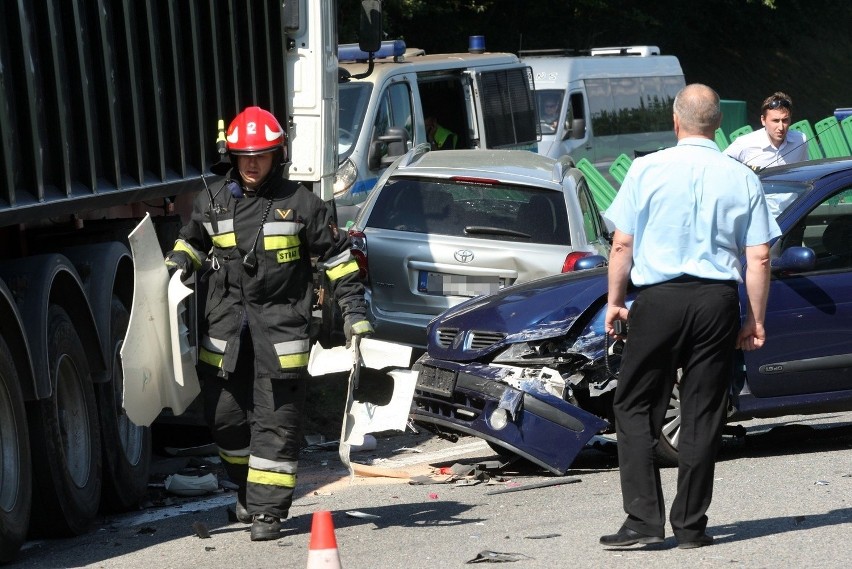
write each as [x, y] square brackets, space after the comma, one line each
[515, 353]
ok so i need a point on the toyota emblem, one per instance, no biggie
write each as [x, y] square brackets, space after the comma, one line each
[464, 255]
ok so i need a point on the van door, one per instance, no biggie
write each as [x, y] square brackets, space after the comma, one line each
[575, 139]
[391, 133]
[506, 107]
[445, 98]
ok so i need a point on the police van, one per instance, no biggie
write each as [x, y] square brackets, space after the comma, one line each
[485, 99]
[614, 100]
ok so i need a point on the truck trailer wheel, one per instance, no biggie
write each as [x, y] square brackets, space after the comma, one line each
[65, 437]
[15, 467]
[126, 446]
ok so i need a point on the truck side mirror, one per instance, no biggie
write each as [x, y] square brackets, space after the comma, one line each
[370, 33]
[388, 147]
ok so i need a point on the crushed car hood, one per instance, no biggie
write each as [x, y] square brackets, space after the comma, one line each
[529, 311]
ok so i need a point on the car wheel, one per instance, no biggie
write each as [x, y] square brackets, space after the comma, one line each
[65, 437]
[666, 451]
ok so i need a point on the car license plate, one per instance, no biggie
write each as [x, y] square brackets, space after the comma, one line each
[436, 380]
[458, 285]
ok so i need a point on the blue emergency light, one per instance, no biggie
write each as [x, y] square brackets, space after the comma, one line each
[351, 51]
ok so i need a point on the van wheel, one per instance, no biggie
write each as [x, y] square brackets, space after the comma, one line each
[15, 467]
[65, 437]
[126, 447]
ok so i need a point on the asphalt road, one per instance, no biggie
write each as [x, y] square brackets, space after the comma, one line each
[783, 498]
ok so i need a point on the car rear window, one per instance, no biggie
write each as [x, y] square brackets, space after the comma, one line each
[468, 209]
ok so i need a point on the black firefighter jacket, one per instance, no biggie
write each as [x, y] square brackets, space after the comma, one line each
[284, 225]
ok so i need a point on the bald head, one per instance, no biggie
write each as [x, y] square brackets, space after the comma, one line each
[697, 111]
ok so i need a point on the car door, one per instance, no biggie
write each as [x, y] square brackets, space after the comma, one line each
[809, 314]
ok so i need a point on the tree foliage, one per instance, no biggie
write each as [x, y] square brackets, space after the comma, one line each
[745, 49]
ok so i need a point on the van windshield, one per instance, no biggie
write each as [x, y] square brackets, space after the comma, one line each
[549, 103]
[353, 99]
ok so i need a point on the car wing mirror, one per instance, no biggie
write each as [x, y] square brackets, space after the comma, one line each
[795, 259]
[590, 262]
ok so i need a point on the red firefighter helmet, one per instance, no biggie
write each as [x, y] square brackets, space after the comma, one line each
[255, 131]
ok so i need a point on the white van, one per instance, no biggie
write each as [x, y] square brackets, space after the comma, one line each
[486, 99]
[615, 100]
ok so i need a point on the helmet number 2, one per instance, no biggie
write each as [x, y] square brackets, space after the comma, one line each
[251, 128]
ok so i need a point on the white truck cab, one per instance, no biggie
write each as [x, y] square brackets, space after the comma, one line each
[614, 100]
[486, 99]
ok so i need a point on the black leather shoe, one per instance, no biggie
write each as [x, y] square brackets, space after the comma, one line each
[627, 536]
[701, 541]
[265, 527]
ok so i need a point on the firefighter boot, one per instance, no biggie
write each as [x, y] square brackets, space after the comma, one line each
[239, 513]
[265, 527]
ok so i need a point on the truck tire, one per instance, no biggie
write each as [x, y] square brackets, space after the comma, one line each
[126, 447]
[65, 437]
[15, 467]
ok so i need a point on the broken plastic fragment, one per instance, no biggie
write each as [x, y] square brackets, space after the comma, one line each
[497, 557]
[362, 515]
[191, 485]
[543, 484]
[543, 536]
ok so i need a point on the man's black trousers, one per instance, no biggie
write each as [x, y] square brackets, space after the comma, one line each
[688, 324]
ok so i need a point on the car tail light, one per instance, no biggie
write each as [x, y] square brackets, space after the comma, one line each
[572, 259]
[359, 251]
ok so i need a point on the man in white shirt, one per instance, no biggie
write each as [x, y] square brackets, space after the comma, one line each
[775, 143]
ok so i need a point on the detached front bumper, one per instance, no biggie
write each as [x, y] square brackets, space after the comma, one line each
[471, 399]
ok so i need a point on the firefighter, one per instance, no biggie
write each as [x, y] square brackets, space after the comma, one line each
[257, 234]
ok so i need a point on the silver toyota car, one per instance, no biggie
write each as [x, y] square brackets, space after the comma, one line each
[441, 227]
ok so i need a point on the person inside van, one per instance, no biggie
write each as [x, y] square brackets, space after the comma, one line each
[439, 137]
[549, 116]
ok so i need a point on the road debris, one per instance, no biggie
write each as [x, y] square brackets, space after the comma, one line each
[201, 530]
[542, 484]
[498, 557]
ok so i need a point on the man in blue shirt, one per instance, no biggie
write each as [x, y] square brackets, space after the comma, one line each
[683, 218]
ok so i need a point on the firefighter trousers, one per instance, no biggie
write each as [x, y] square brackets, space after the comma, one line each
[256, 421]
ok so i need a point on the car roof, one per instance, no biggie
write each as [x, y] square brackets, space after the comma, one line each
[511, 166]
[807, 172]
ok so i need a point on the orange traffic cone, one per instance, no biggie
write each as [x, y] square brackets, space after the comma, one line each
[322, 552]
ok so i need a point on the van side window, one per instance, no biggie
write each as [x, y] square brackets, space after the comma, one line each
[631, 105]
[576, 109]
[600, 107]
[394, 110]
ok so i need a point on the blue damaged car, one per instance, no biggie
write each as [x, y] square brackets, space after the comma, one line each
[530, 370]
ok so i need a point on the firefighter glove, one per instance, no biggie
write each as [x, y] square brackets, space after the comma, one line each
[179, 261]
[360, 328]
